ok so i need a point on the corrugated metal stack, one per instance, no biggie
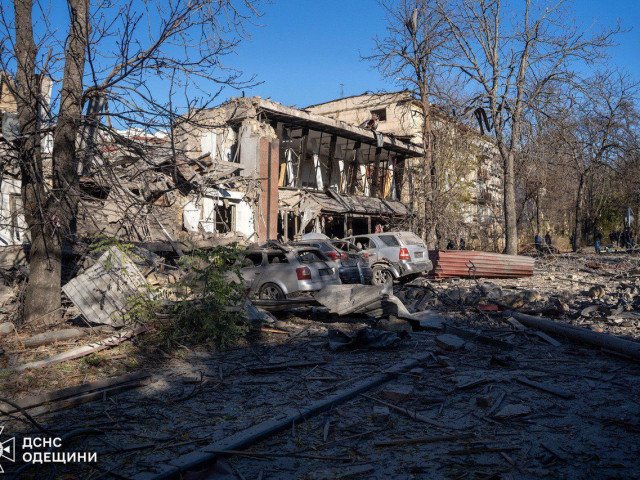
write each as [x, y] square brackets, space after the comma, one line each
[470, 264]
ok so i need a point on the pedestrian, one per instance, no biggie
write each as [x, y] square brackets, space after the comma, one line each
[630, 238]
[623, 238]
[547, 240]
[597, 239]
[451, 245]
[462, 245]
[572, 240]
[538, 242]
[379, 228]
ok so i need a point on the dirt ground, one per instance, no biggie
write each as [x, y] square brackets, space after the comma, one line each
[504, 403]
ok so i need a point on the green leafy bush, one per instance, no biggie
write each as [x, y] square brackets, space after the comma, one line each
[211, 297]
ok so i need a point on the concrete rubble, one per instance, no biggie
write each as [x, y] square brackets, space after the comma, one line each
[484, 395]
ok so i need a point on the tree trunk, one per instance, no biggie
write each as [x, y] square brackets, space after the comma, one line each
[49, 217]
[577, 239]
[510, 214]
[41, 302]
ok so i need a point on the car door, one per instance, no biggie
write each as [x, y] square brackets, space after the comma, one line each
[252, 268]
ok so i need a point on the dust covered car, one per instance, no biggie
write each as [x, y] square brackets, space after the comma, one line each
[276, 273]
[352, 268]
[398, 254]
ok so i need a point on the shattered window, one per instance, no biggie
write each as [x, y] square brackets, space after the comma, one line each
[225, 219]
[364, 243]
[389, 240]
[381, 113]
[309, 257]
[277, 258]
[252, 260]
[410, 238]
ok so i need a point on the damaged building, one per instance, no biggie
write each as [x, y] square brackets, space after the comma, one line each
[316, 174]
[474, 165]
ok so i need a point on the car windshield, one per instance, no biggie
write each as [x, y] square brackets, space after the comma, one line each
[389, 240]
[409, 238]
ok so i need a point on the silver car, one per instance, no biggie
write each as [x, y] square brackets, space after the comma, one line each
[352, 268]
[275, 273]
[398, 254]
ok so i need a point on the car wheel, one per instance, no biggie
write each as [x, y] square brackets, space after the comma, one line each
[271, 291]
[381, 276]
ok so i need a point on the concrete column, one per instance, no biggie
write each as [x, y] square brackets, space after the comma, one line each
[269, 161]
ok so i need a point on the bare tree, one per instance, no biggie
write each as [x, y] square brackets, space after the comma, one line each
[590, 125]
[121, 53]
[411, 54]
[510, 51]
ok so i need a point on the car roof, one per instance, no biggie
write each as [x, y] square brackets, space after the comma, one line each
[273, 251]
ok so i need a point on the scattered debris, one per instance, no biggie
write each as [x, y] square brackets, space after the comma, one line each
[449, 342]
[513, 410]
[363, 338]
[86, 349]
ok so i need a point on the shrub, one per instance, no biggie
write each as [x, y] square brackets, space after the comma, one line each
[211, 297]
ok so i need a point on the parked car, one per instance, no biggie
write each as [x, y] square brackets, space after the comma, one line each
[399, 254]
[277, 272]
[351, 267]
[346, 246]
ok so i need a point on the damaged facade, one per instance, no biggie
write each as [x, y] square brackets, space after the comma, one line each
[315, 173]
[473, 163]
[252, 169]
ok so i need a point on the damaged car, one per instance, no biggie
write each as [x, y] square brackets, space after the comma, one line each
[397, 255]
[277, 272]
[351, 267]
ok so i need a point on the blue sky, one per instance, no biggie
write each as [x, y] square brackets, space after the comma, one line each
[306, 48]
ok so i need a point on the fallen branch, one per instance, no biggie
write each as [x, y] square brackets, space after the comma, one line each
[85, 350]
[409, 413]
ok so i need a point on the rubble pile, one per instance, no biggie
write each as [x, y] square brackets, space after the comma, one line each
[435, 379]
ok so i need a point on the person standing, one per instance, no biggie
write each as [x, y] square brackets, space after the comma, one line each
[538, 242]
[547, 240]
[597, 239]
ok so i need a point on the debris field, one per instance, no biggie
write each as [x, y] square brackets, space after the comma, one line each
[465, 392]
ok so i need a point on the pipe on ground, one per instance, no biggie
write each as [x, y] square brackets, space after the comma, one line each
[579, 334]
